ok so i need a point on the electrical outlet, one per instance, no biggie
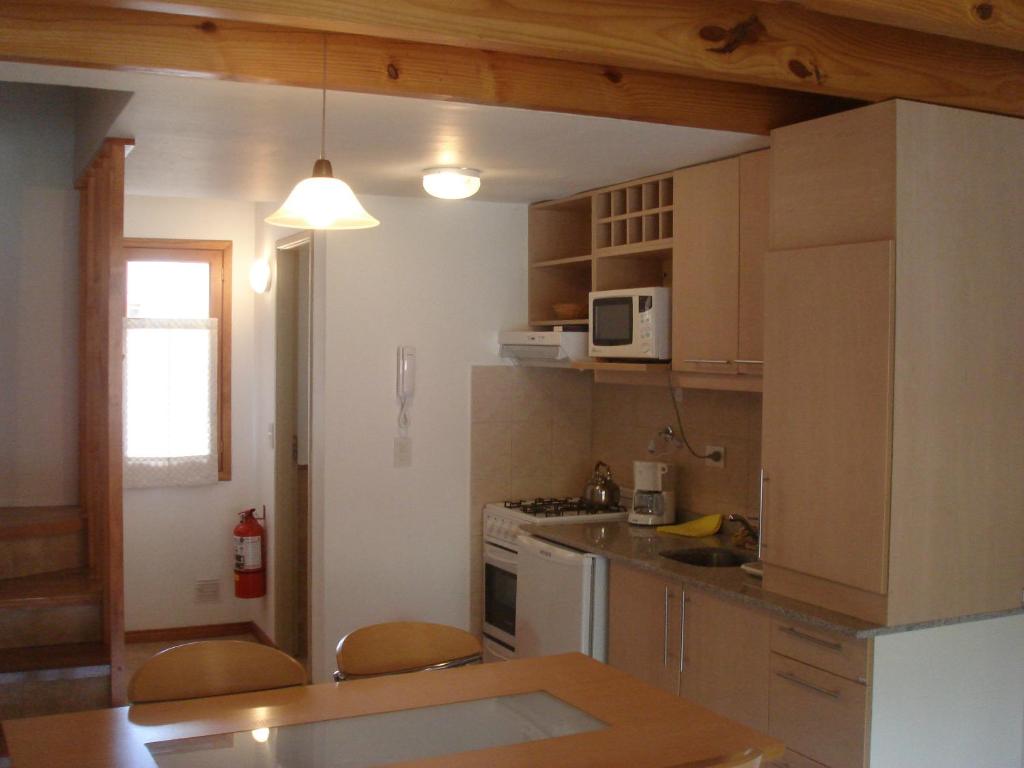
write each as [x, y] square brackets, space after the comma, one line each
[720, 461]
[403, 451]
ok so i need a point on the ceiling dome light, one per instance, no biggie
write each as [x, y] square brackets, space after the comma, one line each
[451, 183]
[322, 201]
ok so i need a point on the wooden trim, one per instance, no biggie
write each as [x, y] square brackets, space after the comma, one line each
[109, 38]
[173, 244]
[606, 365]
[770, 44]
[1000, 24]
[260, 635]
[633, 378]
[197, 632]
[217, 253]
[126, 144]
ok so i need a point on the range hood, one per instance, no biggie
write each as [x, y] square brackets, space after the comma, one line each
[551, 348]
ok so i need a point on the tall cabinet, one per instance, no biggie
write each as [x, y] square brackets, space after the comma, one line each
[894, 348]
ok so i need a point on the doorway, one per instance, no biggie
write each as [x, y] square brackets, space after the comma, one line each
[292, 430]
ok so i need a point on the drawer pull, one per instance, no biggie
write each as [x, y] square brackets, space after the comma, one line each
[812, 639]
[750, 362]
[700, 361]
[796, 680]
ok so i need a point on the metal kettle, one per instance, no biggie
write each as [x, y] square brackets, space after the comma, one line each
[601, 491]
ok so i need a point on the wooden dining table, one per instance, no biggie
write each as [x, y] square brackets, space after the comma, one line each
[640, 726]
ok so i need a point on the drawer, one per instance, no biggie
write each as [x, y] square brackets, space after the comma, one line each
[794, 760]
[818, 714]
[845, 656]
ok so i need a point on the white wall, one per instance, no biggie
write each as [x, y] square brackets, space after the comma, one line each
[949, 697]
[444, 277]
[174, 536]
[38, 297]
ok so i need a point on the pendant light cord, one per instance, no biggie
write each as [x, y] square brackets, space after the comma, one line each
[323, 101]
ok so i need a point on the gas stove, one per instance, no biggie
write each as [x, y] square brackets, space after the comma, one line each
[557, 507]
[503, 519]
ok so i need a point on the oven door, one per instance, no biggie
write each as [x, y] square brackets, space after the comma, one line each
[500, 593]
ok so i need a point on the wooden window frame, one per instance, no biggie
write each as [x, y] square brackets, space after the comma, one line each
[216, 253]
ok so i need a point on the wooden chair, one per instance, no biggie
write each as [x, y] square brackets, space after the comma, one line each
[213, 668]
[404, 646]
[749, 758]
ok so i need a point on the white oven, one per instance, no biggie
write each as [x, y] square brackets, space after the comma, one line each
[502, 522]
[500, 574]
[631, 323]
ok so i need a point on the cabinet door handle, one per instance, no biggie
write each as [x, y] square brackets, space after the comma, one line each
[750, 362]
[708, 362]
[812, 639]
[817, 688]
[760, 514]
[664, 640]
[682, 631]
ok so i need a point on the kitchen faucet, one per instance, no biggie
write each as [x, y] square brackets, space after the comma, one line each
[754, 533]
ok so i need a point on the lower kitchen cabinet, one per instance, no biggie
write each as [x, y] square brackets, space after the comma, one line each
[819, 695]
[806, 686]
[727, 658]
[644, 623]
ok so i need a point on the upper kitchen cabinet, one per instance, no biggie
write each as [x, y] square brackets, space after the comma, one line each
[721, 234]
[705, 295]
[893, 435]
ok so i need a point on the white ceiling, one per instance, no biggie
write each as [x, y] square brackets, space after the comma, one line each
[211, 138]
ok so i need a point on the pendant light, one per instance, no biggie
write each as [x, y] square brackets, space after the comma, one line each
[322, 201]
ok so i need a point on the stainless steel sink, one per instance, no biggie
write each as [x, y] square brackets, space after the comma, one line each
[710, 557]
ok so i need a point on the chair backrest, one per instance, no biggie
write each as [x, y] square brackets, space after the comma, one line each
[750, 758]
[213, 668]
[404, 646]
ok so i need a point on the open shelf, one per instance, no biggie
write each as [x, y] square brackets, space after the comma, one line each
[655, 249]
[572, 321]
[563, 262]
[608, 365]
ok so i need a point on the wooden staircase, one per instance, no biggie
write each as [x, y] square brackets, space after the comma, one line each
[52, 655]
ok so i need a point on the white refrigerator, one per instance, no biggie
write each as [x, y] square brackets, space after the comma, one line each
[561, 600]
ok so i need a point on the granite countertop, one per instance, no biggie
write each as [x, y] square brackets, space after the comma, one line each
[640, 547]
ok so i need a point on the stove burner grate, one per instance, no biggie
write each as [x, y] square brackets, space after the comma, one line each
[555, 507]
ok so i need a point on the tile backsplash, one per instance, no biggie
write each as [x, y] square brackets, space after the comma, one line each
[626, 419]
[539, 432]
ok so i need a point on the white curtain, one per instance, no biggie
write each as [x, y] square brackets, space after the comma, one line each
[170, 402]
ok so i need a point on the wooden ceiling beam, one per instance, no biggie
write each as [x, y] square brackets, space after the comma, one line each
[991, 22]
[778, 45]
[117, 39]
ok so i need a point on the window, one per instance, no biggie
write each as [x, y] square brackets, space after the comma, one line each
[177, 410]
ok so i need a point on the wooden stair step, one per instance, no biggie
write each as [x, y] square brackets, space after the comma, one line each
[72, 587]
[53, 657]
[37, 522]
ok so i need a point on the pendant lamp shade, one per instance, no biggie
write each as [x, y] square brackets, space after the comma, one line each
[322, 202]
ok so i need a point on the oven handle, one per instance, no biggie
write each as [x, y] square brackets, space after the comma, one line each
[500, 556]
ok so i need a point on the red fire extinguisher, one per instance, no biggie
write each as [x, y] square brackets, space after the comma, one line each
[250, 574]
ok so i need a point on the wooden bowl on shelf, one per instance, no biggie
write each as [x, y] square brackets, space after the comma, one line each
[567, 311]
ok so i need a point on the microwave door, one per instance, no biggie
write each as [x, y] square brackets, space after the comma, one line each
[613, 322]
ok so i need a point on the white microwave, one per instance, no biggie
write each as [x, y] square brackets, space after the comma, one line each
[631, 323]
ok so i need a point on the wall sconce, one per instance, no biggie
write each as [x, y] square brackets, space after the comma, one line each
[260, 275]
